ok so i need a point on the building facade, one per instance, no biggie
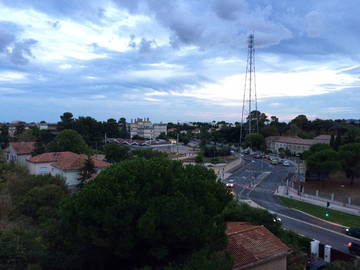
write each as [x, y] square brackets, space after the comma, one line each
[18, 152]
[143, 127]
[294, 144]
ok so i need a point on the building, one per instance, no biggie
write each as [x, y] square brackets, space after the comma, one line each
[145, 129]
[255, 248]
[64, 164]
[19, 151]
[294, 144]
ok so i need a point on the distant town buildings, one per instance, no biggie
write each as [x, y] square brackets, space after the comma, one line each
[294, 144]
[143, 128]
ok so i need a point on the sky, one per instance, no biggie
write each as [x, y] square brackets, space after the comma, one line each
[177, 60]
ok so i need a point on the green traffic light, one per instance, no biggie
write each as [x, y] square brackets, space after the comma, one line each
[327, 214]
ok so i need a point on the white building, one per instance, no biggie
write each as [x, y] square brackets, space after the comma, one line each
[65, 164]
[18, 152]
[145, 129]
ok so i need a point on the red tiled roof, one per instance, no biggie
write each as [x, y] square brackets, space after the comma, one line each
[23, 148]
[66, 160]
[252, 244]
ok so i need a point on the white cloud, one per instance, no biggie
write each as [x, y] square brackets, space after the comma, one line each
[9, 76]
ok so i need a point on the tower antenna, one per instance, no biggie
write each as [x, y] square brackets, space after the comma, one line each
[249, 107]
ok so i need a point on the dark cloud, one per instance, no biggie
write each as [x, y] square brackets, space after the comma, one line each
[21, 50]
[229, 9]
[7, 35]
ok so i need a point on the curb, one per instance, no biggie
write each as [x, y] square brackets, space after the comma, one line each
[324, 220]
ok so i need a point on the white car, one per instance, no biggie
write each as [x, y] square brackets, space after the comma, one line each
[286, 163]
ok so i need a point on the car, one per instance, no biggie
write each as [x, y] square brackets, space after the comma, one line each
[230, 183]
[286, 163]
[354, 248]
[277, 219]
[354, 231]
[274, 162]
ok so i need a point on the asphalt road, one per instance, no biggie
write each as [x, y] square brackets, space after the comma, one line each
[248, 185]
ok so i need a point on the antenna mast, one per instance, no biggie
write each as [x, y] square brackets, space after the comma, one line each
[249, 95]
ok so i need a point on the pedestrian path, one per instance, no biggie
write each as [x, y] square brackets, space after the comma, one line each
[291, 193]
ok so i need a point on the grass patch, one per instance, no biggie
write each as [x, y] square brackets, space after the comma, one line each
[318, 211]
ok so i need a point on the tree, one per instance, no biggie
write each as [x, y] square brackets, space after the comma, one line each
[40, 203]
[91, 130]
[67, 121]
[123, 128]
[68, 140]
[350, 160]
[323, 162]
[255, 141]
[4, 136]
[20, 249]
[86, 171]
[199, 158]
[116, 152]
[301, 122]
[111, 128]
[158, 208]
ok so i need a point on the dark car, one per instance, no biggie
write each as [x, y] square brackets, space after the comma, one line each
[354, 248]
[355, 232]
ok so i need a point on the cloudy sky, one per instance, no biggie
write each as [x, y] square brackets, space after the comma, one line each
[177, 60]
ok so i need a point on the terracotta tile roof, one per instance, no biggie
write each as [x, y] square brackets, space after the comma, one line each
[66, 160]
[250, 244]
[23, 148]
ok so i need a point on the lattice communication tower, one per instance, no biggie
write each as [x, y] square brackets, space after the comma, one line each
[249, 122]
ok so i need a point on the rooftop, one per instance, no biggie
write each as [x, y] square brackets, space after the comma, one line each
[250, 244]
[66, 160]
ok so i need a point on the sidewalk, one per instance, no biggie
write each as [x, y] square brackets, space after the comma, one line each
[334, 205]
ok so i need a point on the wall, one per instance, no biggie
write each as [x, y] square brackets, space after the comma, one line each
[277, 264]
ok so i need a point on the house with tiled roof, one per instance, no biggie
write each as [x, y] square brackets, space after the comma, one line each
[255, 248]
[19, 151]
[65, 164]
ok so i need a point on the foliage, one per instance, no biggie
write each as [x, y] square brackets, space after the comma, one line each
[67, 121]
[86, 171]
[26, 136]
[243, 212]
[111, 128]
[68, 140]
[116, 152]
[255, 141]
[4, 136]
[322, 160]
[216, 150]
[39, 202]
[156, 208]
[199, 158]
[123, 128]
[20, 250]
[341, 265]
[350, 159]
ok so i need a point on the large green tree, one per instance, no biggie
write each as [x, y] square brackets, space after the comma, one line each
[323, 163]
[350, 160]
[144, 213]
[68, 140]
[67, 121]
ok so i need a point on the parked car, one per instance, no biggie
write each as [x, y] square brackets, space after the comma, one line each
[354, 231]
[354, 248]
